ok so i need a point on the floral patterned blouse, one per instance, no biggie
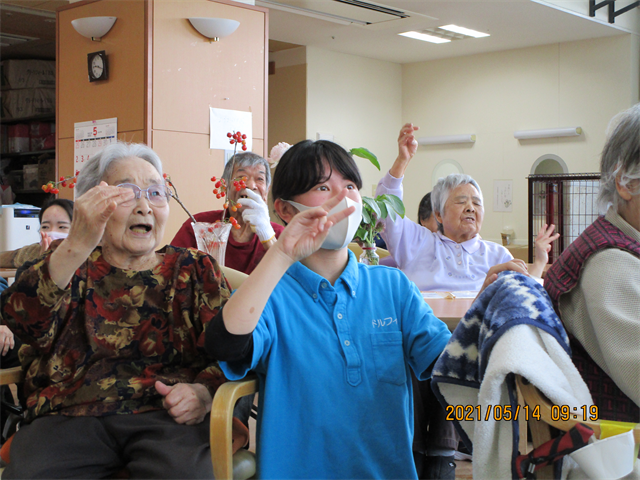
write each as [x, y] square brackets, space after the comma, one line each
[97, 347]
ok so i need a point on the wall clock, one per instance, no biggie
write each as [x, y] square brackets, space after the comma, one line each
[98, 66]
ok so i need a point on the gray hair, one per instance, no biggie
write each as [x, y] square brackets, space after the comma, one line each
[245, 159]
[96, 167]
[620, 158]
[442, 190]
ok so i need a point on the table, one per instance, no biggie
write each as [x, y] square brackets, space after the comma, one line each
[448, 310]
[8, 274]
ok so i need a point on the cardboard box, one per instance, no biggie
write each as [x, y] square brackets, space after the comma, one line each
[28, 73]
[30, 177]
[46, 171]
[28, 102]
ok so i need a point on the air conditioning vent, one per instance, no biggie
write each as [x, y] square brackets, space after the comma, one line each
[340, 11]
[375, 8]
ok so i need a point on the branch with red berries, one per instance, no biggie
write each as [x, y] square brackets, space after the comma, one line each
[52, 187]
[236, 138]
[173, 191]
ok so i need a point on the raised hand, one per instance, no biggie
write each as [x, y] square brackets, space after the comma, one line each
[543, 242]
[45, 242]
[543, 247]
[307, 230]
[7, 341]
[407, 148]
[256, 213]
[91, 213]
[407, 143]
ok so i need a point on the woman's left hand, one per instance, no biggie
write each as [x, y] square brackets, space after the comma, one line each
[187, 403]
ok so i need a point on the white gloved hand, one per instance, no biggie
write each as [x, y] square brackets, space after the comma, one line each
[256, 213]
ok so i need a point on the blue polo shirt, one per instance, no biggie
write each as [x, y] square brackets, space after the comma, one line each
[333, 364]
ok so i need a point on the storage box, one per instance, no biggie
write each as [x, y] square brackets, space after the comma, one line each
[28, 73]
[30, 177]
[28, 102]
[18, 138]
[38, 132]
[46, 171]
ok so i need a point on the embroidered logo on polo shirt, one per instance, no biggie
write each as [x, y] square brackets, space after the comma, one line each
[385, 322]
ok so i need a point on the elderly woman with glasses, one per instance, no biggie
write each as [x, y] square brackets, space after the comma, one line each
[595, 283]
[115, 374]
[248, 244]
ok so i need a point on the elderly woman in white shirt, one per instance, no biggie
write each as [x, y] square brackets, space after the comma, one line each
[454, 257]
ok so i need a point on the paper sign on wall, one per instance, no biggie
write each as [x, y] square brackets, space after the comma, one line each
[91, 137]
[222, 121]
[502, 195]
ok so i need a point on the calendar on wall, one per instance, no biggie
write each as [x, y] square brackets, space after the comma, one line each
[91, 137]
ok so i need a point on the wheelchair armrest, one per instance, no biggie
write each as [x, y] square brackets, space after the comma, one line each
[220, 439]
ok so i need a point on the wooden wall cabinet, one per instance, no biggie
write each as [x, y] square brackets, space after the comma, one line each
[163, 77]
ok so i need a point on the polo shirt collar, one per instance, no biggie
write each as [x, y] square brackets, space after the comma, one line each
[470, 246]
[311, 281]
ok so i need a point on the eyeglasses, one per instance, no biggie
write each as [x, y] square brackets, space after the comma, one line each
[157, 195]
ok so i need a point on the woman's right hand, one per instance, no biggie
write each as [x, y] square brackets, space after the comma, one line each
[407, 148]
[92, 211]
[307, 230]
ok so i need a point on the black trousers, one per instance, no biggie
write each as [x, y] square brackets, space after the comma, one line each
[148, 445]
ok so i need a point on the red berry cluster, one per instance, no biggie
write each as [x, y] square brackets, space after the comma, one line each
[238, 137]
[220, 190]
[52, 187]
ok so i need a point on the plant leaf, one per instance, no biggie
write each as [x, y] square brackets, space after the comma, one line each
[364, 153]
[383, 210]
[366, 216]
[373, 204]
[395, 203]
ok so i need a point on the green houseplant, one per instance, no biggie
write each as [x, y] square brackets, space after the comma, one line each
[374, 210]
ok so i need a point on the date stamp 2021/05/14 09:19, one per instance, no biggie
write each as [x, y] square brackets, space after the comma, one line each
[472, 413]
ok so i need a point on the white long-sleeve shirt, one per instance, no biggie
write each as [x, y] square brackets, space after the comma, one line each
[432, 260]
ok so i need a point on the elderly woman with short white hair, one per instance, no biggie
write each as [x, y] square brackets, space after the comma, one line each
[595, 283]
[115, 372]
[454, 257]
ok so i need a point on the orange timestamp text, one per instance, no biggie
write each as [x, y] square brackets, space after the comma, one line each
[472, 413]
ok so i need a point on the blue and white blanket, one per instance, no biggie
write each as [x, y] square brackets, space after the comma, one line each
[511, 328]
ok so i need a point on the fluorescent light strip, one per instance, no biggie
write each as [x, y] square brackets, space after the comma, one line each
[424, 37]
[27, 11]
[309, 13]
[464, 31]
[548, 133]
[442, 139]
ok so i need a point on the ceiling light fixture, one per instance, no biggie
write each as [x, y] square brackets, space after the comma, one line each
[93, 27]
[443, 139]
[214, 28]
[548, 133]
[464, 31]
[424, 37]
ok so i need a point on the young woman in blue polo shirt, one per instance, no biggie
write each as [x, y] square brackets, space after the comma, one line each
[331, 340]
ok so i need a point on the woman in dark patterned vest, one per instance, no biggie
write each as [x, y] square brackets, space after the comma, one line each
[115, 371]
[595, 284]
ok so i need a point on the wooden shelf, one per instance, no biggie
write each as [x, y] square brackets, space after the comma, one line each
[44, 118]
[26, 154]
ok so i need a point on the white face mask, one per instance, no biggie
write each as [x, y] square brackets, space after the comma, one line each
[57, 235]
[342, 232]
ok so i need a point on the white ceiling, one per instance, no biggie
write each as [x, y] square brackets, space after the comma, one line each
[511, 24]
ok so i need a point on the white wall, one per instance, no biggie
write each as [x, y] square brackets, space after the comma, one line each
[358, 101]
[571, 84]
